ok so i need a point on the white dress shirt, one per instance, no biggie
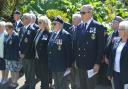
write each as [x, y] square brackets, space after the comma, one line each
[118, 56]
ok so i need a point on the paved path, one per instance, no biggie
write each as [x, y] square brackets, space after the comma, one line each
[21, 82]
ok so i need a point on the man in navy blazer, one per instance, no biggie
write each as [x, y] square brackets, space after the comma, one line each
[59, 54]
[18, 23]
[89, 46]
[27, 35]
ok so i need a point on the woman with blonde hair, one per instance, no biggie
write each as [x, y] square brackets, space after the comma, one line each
[2, 61]
[40, 48]
[118, 62]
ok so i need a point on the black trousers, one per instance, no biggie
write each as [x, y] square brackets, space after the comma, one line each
[85, 82]
[117, 81]
[41, 69]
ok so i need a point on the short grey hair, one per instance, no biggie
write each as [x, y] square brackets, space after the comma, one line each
[123, 25]
[27, 15]
[2, 24]
[76, 15]
[33, 16]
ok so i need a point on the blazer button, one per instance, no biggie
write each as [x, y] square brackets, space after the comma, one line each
[79, 55]
[79, 49]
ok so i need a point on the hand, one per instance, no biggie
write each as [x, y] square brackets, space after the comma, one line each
[22, 56]
[106, 60]
[110, 78]
[96, 68]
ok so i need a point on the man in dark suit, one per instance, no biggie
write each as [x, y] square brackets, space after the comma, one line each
[89, 47]
[76, 20]
[27, 35]
[18, 23]
[59, 54]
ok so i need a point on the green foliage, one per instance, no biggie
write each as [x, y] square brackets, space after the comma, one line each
[51, 14]
[104, 10]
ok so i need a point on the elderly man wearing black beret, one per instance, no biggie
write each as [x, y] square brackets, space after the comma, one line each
[59, 54]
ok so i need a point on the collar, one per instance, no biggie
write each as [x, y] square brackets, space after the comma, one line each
[18, 21]
[27, 26]
[58, 32]
[89, 21]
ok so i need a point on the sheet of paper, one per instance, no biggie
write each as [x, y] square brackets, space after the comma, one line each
[67, 72]
[91, 73]
[125, 86]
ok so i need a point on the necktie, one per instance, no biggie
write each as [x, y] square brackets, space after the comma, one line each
[85, 24]
[54, 36]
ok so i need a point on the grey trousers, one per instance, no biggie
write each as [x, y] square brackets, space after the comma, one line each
[29, 70]
[60, 81]
[85, 82]
[75, 82]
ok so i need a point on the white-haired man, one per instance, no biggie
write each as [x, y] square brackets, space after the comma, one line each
[27, 35]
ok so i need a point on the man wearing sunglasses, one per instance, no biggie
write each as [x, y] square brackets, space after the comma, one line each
[59, 54]
[89, 46]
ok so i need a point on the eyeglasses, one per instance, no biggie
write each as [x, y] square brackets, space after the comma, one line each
[84, 12]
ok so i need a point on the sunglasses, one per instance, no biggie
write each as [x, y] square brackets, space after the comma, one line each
[39, 22]
[84, 12]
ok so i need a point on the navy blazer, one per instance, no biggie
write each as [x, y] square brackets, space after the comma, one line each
[89, 45]
[11, 47]
[42, 45]
[26, 42]
[60, 59]
[123, 61]
[18, 26]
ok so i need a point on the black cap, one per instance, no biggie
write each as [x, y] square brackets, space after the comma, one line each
[117, 19]
[17, 12]
[58, 19]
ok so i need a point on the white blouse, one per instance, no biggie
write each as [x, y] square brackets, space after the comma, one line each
[118, 56]
[2, 45]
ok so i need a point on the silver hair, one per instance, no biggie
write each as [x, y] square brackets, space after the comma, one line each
[76, 15]
[2, 24]
[27, 15]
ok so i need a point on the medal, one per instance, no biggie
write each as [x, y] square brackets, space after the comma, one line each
[93, 37]
[10, 42]
[26, 40]
[28, 32]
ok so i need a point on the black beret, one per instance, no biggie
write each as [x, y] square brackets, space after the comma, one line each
[58, 19]
[17, 12]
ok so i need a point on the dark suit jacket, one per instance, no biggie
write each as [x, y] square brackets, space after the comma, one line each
[18, 26]
[41, 46]
[89, 45]
[26, 42]
[60, 60]
[123, 61]
[109, 43]
[11, 47]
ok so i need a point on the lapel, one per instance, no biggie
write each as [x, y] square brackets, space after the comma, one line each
[59, 35]
[90, 25]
